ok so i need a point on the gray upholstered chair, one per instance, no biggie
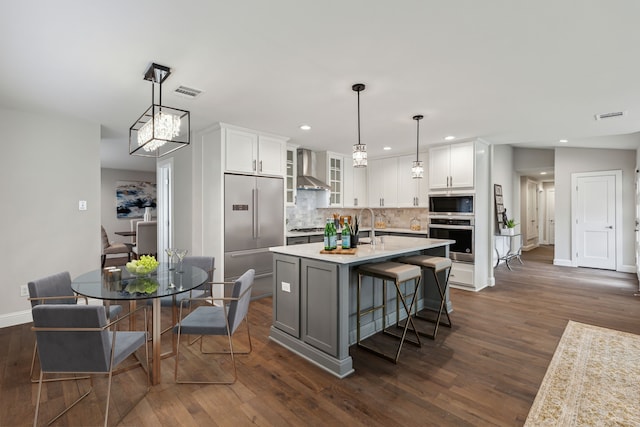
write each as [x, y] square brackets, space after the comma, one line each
[109, 248]
[77, 339]
[133, 226]
[146, 238]
[209, 319]
[56, 289]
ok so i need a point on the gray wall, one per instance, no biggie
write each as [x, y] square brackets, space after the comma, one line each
[108, 217]
[48, 164]
[572, 160]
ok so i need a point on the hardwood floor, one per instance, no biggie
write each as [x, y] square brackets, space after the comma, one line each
[484, 371]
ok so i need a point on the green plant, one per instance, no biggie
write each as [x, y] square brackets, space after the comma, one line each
[510, 223]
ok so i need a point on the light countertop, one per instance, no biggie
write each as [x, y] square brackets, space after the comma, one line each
[390, 246]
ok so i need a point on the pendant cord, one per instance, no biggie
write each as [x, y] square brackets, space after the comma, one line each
[359, 118]
[417, 139]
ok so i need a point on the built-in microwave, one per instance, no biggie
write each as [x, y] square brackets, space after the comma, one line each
[454, 204]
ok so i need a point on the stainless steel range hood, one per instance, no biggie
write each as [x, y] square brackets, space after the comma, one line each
[307, 172]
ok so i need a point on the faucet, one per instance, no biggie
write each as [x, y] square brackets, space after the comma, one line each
[373, 230]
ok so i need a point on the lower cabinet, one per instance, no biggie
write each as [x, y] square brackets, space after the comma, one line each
[305, 303]
[462, 274]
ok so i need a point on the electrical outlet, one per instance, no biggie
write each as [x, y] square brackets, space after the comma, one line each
[286, 287]
[24, 291]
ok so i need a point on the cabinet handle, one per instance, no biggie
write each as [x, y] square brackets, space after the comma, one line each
[254, 165]
[355, 201]
[260, 166]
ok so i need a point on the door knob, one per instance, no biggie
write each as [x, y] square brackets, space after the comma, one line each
[609, 226]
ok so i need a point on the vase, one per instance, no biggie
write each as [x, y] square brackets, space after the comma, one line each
[147, 214]
[354, 240]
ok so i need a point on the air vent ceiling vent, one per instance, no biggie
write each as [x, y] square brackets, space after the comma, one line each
[187, 92]
[610, 115]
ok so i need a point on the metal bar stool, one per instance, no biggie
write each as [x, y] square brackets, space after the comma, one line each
[435, 265]
[397, 273]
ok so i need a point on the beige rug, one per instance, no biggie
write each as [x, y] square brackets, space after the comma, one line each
[592, 380]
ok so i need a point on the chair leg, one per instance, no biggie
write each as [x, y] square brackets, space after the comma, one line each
[104, 259]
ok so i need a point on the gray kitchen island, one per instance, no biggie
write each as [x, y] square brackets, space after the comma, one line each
[314, 297]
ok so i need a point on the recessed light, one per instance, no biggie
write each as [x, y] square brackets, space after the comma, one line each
[449, 138]
[386, 148]
[305, 127]
[563, 141]
[543, 173]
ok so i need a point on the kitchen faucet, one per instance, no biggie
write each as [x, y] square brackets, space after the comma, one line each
[373, 231]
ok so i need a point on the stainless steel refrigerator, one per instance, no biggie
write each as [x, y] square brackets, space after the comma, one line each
[253, 221]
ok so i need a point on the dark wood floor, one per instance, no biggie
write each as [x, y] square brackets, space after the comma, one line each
[486, 370]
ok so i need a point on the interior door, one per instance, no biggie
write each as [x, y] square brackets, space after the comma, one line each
[551, 216]
[532, 210]
[595, 221]
[637, 229]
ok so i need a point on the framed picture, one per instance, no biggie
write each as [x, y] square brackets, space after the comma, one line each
[133, 196]
[499, 203]
[497, 189]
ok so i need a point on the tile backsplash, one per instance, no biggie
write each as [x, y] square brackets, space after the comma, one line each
[311, 210]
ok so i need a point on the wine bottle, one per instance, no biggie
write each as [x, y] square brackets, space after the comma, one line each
[333, 236]
[346, 235]
[327, 235]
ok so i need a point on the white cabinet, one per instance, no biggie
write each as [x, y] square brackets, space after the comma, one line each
[291, 174]
[331, 170]
[383, 182]
[412, 192]
[355, 185]
[452, 166]
[254, 153]
[461, 275]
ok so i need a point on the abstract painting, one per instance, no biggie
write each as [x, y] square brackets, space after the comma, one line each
[133, 196]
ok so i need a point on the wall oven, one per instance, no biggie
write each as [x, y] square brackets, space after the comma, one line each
[455, 228]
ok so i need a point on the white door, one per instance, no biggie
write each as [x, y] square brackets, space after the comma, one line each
[551, 217]
[637, 229]
[595, 221]
[164, 188]
[532, 211]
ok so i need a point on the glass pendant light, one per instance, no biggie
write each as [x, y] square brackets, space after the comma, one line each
[359, 150]
[417, 170]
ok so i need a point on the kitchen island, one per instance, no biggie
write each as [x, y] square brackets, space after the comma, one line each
[314, 297]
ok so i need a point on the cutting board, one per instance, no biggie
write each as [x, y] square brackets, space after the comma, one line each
[340, 251]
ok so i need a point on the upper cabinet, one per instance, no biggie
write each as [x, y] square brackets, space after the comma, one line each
[254, 153]
[383, 182]
[451, 166]
[355, 185]
[331, 171]
[291, 174]
[412, 192]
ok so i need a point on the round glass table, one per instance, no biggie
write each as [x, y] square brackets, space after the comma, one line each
[167, 280]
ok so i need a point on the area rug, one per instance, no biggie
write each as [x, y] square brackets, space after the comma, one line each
[592, 380]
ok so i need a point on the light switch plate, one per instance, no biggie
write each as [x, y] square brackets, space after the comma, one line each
[286, 287]
[82, 205]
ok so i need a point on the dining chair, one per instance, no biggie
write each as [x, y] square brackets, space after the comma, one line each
[76, 339]
[56, 289]
[146, 238]
[208, 319]
[207, 263]
[113, 248]
[133, 227]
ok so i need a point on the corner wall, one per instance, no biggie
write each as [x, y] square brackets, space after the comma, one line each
[48, 164]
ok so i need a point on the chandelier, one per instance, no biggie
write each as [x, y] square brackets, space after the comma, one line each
[359, 150]
[417, 170]
[161, 129]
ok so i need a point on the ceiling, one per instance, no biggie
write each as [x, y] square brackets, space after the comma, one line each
[511, 72]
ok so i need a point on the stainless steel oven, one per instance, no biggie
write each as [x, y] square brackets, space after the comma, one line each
[455, 228]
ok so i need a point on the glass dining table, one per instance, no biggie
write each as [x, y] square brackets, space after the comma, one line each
[167, 280]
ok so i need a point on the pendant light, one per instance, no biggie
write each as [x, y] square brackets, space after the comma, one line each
[417, 171]
[359, 150]
[161, 129]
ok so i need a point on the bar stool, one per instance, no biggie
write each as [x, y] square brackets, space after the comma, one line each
[398, 273]
[435, 265]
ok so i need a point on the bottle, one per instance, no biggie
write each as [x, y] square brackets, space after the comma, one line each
[327, 235]
[346, 235]
[333, 236]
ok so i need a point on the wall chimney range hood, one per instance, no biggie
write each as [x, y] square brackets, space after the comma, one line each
[307, 172]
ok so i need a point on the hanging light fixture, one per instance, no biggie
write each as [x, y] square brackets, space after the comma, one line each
[359, 150]
[161, 129]
[417, 170]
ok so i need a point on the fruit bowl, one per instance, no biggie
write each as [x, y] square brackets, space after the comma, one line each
[143, 266]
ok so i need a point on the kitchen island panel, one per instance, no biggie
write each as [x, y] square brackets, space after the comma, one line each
[319, 305]
[286, 294]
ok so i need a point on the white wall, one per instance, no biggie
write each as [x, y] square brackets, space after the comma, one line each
[572, 160]
[108, 216]
[48, 164]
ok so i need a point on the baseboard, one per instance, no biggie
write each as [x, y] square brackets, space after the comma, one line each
[15, 318]
[627, 269]
[563, 262]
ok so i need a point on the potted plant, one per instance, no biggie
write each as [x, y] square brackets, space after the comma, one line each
[510, 225]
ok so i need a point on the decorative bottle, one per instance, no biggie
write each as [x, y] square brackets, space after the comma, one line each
[333, 236]
[327, 234]
[346, 235]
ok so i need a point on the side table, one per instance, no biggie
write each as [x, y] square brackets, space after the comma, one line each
[511, 252]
